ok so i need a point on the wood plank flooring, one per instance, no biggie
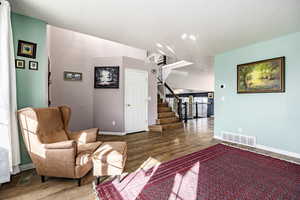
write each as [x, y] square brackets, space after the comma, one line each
[144, 150]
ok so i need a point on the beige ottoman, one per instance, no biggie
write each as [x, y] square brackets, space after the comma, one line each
[109, 159]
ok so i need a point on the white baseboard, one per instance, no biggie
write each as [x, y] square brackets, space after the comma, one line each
[271, 149]
[217, 137]
[27, 166]
[16, 170]
[111, 133]
[279, 151]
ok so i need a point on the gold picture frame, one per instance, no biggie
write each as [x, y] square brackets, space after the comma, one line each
[265, 76]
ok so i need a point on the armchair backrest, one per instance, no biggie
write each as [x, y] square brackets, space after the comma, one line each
[51, 125]
[47, 124]
[66, 115]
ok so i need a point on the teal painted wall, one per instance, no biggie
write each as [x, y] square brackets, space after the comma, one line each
[274, 118]
[31, 84]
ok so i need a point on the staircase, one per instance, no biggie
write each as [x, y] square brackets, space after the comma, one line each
[167, 119]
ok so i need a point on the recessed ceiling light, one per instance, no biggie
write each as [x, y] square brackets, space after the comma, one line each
[159, 45]
[183, 36]
[161, 52]
[193, 37]
[170, 49]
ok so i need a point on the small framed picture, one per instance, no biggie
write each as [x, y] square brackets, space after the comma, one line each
[27, 49]
[33, 65]
[72, 76]
[20, 64]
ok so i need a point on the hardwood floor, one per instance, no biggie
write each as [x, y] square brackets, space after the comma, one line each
[144, 150]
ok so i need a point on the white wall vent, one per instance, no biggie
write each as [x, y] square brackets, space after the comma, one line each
[239, 139]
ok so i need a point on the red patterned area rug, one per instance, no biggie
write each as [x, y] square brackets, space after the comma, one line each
[218, 172]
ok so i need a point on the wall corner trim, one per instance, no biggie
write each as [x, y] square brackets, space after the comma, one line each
[111, 133]
[4, 179]
[271, 149]
[28, 166]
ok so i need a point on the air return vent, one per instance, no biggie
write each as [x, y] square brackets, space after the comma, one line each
[239, 139]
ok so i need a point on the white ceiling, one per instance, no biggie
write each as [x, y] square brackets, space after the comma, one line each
[217, 25]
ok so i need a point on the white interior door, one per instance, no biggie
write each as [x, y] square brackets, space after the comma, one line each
[136, 100]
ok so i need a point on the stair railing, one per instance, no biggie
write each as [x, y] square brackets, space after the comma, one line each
[167, 89]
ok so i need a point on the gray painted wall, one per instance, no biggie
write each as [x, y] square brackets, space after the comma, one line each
[73, 51]
[109, 103]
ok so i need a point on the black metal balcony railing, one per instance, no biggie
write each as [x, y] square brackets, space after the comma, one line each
[184, 110]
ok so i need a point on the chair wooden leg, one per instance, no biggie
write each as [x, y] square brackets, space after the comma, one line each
[98, 180]
[79, 182]
[43, 179]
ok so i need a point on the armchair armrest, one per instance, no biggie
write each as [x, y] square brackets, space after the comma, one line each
[61, 145]
[59, 159]
[84, 136]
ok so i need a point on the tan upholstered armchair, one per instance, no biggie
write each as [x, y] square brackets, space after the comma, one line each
[54, 150]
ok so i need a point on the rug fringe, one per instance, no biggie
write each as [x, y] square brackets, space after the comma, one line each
[95, 190]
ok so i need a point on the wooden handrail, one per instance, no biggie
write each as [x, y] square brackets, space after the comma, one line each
[172, 92]
[169, 88]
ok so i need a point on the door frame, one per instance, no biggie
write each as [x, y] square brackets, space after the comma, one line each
[145, 72]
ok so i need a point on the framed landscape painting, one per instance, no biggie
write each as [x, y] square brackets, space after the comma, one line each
[264, 76]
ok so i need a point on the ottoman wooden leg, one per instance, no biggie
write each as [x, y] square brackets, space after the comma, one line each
[43, 179]
[98, 180]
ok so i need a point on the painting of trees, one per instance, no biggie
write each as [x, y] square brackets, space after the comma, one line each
[261, 76]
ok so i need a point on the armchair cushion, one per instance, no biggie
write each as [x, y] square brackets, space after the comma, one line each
[84, 136]
[61, 145]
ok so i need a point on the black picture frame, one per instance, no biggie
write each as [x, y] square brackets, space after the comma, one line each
[31, 65]
[24, 46]
[17, 61]
[107, 77]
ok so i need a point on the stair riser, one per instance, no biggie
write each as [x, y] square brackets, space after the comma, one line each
[166, 115]
[167, 120]
[172, 126]
[163, 105]
[155, 128]
[164, 109]
[165, 127]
